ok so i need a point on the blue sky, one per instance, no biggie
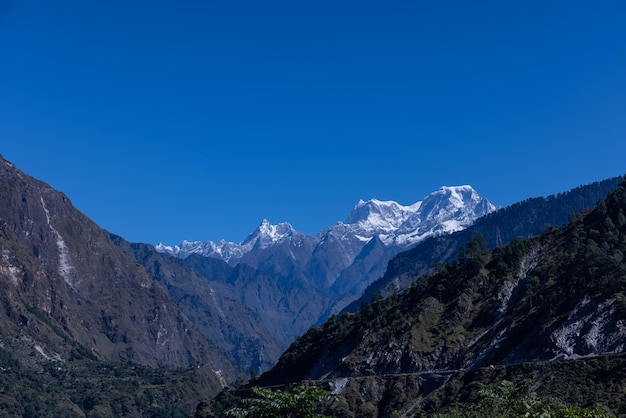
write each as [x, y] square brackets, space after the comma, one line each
[165, 121]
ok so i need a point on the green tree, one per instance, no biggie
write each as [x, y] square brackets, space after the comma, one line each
[301, 402]
[475, 248]
[508, 401]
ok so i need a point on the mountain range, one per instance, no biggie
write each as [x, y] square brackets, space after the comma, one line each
[524, 219]
[447, 210]
[78, 301]
[303, 279]
[551, 305]
[343, 259]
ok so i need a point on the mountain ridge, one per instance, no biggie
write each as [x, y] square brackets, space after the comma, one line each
[369, 218]
[59, 271]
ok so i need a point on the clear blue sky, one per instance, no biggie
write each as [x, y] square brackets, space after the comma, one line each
[165, 120]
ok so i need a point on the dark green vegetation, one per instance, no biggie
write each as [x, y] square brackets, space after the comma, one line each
[578, 383]
[506, 314]
[90, 388]
[564, 388]
[507, 400]
[298, 402]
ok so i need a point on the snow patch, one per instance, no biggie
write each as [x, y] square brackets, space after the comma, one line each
[162, 339]
[363, 239]
[166, 248]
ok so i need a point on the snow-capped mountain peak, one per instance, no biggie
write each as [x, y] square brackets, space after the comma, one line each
[448, 209]
[379, 216]
[448, 200]
[222, 249]
[267, 234]
[264, 236]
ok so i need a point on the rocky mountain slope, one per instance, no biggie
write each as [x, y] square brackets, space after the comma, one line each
[244, 311]
[559, 295]
[67, 289]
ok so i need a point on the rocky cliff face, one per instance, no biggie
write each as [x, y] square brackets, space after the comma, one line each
[67, 287]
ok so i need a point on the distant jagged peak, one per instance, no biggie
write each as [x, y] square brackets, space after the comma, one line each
[264, 236]
[267, 234]
[377, 204]
[465, 188]
[185, 248]
[464, 194]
